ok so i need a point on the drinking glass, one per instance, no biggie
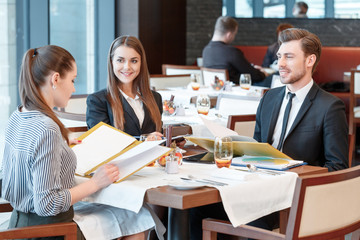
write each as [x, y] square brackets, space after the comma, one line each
[223, 151]
[203, 104]
[245, 81]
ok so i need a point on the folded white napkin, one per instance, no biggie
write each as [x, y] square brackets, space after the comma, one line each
[254, 195]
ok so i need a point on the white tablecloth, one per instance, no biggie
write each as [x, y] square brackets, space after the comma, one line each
[247, 197]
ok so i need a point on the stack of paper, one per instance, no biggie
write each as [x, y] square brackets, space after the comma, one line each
[262, 155]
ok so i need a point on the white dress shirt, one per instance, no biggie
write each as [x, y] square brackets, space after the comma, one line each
[297, 101]
[137, 106]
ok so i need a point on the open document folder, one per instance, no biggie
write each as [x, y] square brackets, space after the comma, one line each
[104, 143]
[264, 154]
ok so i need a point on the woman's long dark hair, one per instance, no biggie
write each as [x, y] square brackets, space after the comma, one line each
[37, 65]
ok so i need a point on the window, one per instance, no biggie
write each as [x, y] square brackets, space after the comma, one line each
[8, 79]
[72, 27]
[347, 9]
[283, 8]
[274, 9]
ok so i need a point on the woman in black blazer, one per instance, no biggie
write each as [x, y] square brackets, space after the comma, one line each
[128, 103]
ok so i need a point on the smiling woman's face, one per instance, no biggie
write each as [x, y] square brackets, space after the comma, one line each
[126, 64]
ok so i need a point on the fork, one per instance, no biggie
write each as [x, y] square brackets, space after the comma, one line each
[207, 180]
[204, 181]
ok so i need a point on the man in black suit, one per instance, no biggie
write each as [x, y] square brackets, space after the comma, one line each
[316, 130]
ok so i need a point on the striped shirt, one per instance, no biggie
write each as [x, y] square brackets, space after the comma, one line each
[38, 166]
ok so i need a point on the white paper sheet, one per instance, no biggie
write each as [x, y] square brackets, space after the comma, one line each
[98, 146]
[137, 158]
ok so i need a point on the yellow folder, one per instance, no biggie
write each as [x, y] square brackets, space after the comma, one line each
[242, 148]
[104, 143]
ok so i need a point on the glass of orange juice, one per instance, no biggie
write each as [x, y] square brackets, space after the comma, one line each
[223, 151]
[245, 81]
[203, 104]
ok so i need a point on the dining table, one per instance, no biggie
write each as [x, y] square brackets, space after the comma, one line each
[153, 185]
[179, 202]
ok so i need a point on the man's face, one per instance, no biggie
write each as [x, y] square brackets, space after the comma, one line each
[293, 65]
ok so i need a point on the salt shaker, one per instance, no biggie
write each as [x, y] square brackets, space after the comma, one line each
[172, 165]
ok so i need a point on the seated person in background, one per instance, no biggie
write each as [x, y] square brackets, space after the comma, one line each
[300, 9]
[128, 102]
[219, 54]
[270, 55]
[39, 166]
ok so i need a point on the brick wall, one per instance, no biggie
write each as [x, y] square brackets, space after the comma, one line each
[201, 17]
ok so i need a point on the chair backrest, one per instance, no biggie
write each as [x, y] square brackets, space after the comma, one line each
[354, 116]
[68, 230]
[170, 69]
[159, 81]
[76, 104]
[229, 104]
[354, 94]
[325, 206]
[76, 132]
[275, 81]
[210, 73]
[242, 124]
[70, 116]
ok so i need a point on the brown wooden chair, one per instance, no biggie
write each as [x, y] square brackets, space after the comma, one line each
[354, 111]
[242, 124]
[210, 73]
[70, 116]
[325, 206]
[160, 81]
[76, 104]
[171, 69]
[68, 230]
[75, 109]
[244, 104]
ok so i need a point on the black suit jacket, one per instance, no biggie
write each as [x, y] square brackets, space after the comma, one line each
[219, 55]
[99, 110]
[319, 134]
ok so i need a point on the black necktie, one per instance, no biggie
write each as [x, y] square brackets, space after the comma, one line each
[285, 120]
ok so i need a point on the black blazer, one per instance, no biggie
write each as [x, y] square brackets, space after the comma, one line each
[319, 134]
[99, 110]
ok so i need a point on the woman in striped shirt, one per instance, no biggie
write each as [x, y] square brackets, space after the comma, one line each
[39, 166]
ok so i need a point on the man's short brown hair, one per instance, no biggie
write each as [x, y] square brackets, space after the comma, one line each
[225, 24]
[310, 43]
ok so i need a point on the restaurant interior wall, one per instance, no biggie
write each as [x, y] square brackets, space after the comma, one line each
[201, 17]
[159, 24]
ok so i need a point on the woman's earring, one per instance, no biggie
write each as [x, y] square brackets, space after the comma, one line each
[54, 87]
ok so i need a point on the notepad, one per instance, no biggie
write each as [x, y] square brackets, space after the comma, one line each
[104, 143]
[267, 162]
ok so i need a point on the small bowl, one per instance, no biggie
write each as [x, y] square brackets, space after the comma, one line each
[217, 86]
[169, 108]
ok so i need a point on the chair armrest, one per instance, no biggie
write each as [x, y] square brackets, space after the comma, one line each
[214, 225]
[69, 230]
